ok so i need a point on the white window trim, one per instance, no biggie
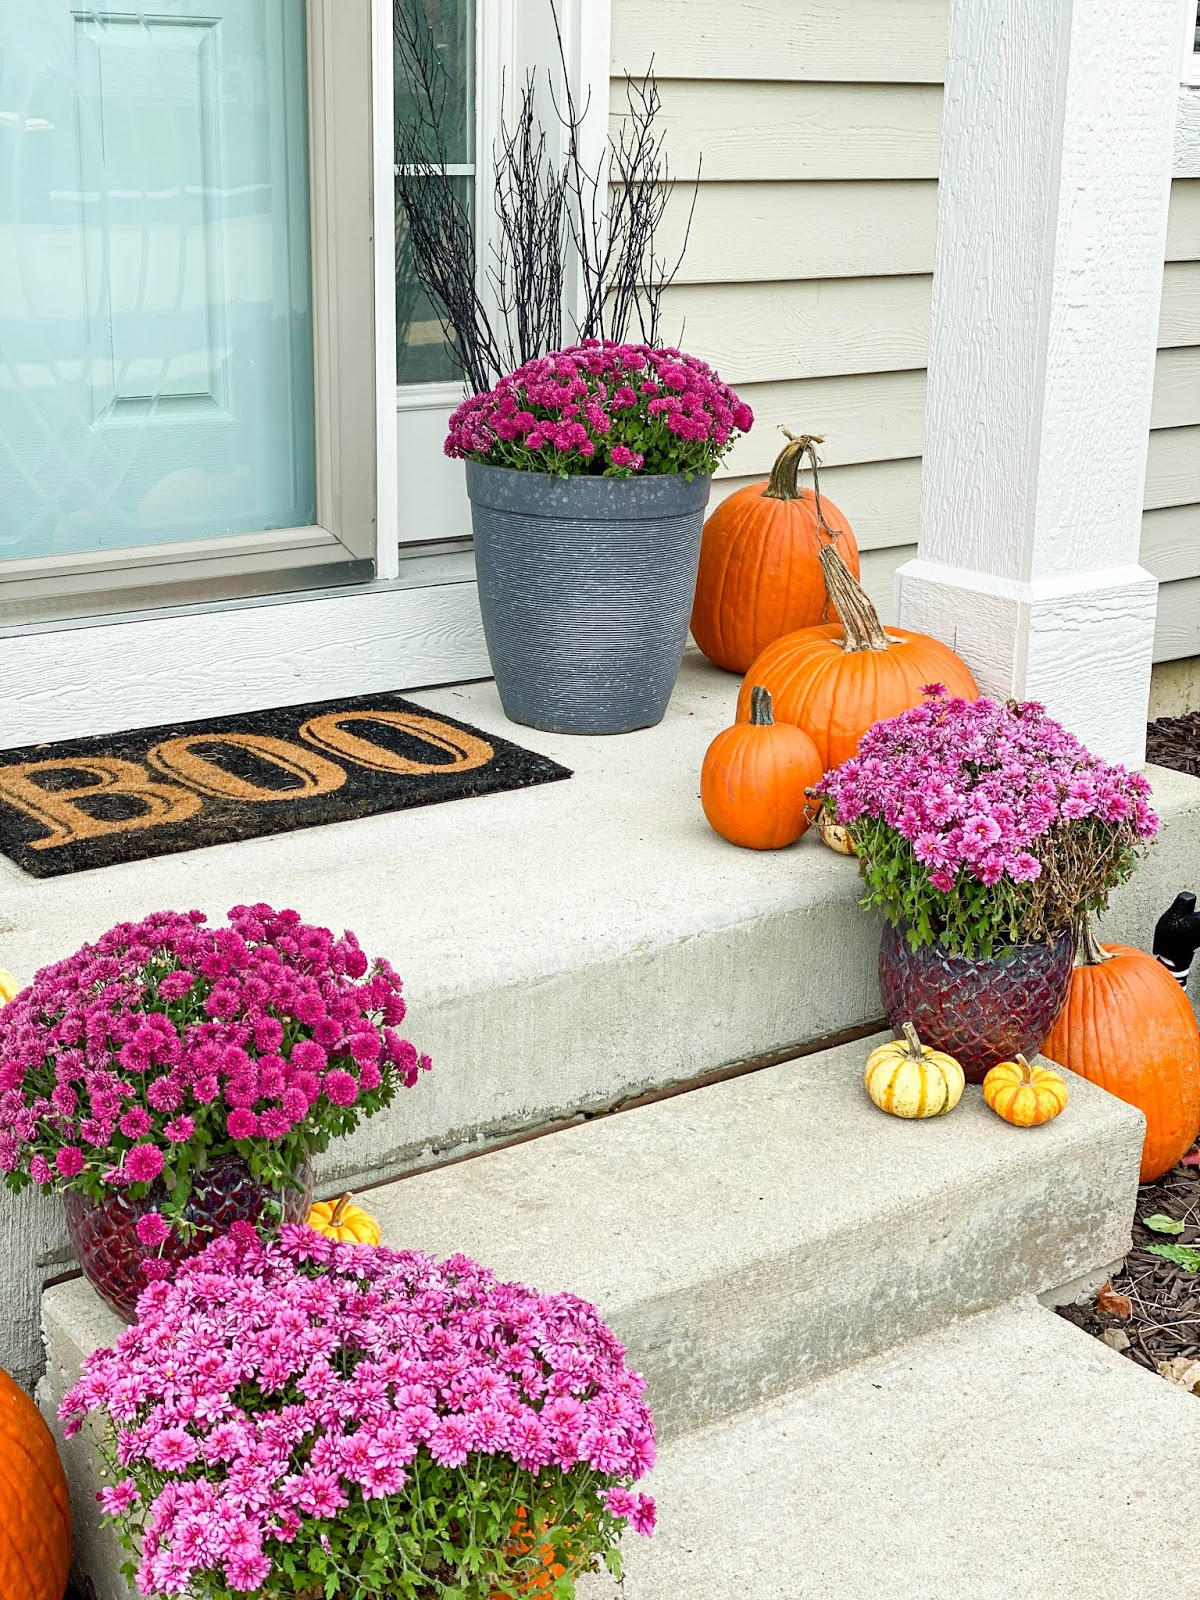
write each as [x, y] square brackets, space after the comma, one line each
[416, 625]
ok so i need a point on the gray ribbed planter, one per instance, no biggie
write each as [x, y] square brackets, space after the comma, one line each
[586, 588]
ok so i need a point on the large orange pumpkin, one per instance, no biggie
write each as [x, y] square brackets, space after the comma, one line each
[754, 780]
[35, 1512]
[835, 681]
[760, 573]
[1128, 1026]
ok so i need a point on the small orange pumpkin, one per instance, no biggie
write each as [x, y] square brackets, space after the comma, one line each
[753, 782]
[35, 1552]
[835, 681]
[1128, 1026]
[348, 1224]
[760, 576]
[1023, 1095]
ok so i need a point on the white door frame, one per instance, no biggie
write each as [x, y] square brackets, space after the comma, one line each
[415, 625]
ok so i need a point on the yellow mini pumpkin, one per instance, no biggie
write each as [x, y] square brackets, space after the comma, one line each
[1023, 1095]
[833, 834]
[907, 1079]
[9, 987]
[348, 1224]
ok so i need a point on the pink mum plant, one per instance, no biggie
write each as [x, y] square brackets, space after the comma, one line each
[603, 409]
[307, 1419]
[981, 824]
[168, 1044]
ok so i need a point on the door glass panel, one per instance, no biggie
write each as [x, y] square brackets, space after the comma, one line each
[156, 367]
[435, 88]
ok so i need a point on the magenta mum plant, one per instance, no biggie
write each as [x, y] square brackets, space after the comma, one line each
[604, 410]
[308, 1419]
[168, 1044]
[982, 824]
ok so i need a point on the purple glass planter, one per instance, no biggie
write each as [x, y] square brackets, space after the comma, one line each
[104, 1237]
[980, 1012]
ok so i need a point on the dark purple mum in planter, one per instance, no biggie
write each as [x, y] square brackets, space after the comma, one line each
[984, 830]
[174, 1078]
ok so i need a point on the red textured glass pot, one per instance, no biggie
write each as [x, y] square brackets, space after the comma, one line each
[104, 1237]
[980, 1012]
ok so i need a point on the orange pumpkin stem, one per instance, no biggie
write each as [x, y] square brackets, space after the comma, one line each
[860, 620]
[914, 1044]
[761, 713]
[1026, 1069]
[339, 1210]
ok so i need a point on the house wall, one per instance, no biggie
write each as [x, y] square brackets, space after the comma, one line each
[807, 277]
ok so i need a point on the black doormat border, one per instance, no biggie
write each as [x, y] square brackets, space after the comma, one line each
[146, 800]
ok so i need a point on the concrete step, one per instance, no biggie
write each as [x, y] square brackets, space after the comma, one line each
[751, 1237]
[1009, 1454]
[564, 948]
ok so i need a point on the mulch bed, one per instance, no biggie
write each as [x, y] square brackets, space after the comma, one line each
[1175, 742]
[1165, 1297]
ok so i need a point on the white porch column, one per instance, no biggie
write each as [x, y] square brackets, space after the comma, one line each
[1052, 213]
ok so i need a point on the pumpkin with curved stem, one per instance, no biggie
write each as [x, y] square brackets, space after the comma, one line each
[1128, 1026]
[35, 1552]
[1024, 1095]
[760, 574]
[348, 1224]
[907, 1079]
[754, 780]
[836, 681]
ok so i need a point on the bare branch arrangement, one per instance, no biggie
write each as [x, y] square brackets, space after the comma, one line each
[553, 213]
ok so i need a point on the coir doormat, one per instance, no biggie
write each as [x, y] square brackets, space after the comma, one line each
[82, 803]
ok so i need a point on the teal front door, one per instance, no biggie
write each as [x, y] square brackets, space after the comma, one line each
[156, 356]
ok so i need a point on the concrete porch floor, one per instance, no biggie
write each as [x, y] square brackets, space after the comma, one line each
[563, 948]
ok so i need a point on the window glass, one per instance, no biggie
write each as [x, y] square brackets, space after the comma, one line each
[435, 84]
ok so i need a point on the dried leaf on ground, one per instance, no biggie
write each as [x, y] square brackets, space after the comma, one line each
[1183, 1372]
[1115, 1338]
[1114, 1304]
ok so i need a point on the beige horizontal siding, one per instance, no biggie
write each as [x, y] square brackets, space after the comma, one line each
[767, 332]
[1173, 469]
[1179, 323]
[815, 126]
[775, 232]
[1171, 542]
[855, 41]
[751, 232]
[1183, 226]
[1177, 631]
[1176, 389]
[881, 416]
[756, 132]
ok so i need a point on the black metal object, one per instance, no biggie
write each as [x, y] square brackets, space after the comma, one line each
[1177, 937]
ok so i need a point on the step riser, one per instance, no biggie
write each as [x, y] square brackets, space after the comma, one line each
[759, 1335]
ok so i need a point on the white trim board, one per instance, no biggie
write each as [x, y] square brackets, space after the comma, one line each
[63, 683]
[1187, 134]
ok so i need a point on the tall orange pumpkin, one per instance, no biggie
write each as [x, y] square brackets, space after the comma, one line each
[1128, 1026]
[760, 573]
[35, 1512]
[835, 681]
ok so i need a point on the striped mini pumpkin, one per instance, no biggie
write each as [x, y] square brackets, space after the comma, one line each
[907, 1079]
